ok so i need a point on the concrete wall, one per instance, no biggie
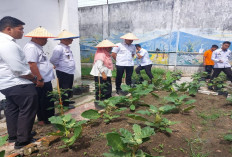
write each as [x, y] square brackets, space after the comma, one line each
[54, 15]
[167, 25]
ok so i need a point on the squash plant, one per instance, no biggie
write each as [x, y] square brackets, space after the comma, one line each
[136, 92]
[69, 129]
[179, 101]
[157, 121]
[126, 144]
[2, 142]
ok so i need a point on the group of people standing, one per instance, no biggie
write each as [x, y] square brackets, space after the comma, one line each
[26, 75]
[218, 60]
[123, 53]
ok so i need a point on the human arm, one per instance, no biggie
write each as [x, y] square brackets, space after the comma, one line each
[114, 55]
[35, 71]
[215, 58]
[55, 57]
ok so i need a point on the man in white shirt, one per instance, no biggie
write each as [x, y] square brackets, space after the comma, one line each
[16, 83]
[63, 61]
[124, 56]
[221, 61]
[43, 69]
[145, 62]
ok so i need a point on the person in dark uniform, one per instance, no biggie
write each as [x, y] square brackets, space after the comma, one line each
[63, 61]
[16, 84]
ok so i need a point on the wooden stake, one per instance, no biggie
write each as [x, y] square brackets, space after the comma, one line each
[60, 100]
[99, 86]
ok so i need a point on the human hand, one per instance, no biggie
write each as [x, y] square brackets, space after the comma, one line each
[104, 77]
[220, 61]
[39, 84]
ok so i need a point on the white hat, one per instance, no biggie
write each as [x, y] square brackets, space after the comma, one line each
[66, 35]
[40, 32]
[106, 43]
[129, 36]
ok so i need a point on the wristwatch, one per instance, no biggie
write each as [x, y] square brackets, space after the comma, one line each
[41, 80]
[34, 78]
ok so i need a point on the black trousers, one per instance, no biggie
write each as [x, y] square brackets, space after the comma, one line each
[120, 71]
[208, 69]
[21, 108]
[105, 88]
[217, 71]
[147, 69]
[65, 82]
[46, 107]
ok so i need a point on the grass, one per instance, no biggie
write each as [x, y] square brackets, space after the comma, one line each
[85, 71]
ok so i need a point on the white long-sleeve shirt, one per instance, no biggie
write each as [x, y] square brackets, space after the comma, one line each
[98, 68]
[224, 56]
[13, 63]
[62, 58]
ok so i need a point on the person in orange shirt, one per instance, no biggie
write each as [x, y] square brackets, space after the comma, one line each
[208, 62]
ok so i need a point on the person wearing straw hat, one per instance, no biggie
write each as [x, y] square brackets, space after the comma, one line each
[16, 84]
[43, 69]
[63, 61]
[102, 70]
[124, 54]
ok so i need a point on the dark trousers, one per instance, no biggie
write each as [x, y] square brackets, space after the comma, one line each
[46, 107]
[21, 108]
[120, 71]
[105, 88]
[65, 82]
[208, 69]
[217, 71]
[147, 69]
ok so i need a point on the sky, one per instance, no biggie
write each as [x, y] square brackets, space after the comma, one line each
[83, 3]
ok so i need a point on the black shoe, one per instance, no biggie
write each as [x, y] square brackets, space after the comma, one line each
[71, 102]
[71, 107]
[122, 93]
[14, 138]
[19, 145]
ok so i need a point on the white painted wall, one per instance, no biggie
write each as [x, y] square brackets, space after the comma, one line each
[54, 15]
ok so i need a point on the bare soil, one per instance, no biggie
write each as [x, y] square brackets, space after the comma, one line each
[199, 133]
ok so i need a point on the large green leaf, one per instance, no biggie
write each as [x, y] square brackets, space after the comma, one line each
[136, 117]
[117, 154]
[114, 140]
[67, 117]
[155, 95]
[132, 107]
[153, 109]
[188, 108]
[190, 101]
[147, 132]
[91, 114]
[3, 140]
[228, 137]
[144, 112]
[182, 97]
[137, 133]
[77, 133]
[127, 136]
[2, 153]
[167, 108]
[56, 120]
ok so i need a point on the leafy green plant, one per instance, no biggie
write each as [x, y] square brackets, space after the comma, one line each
[69, 129]
[217, 84]
[136, 92]
[54, 95]
[126, 144]
[176, 75]
[199, 76]
[228, 137]
[179, 101]
[110, 106]
[3, 140]
[194, 86]
[183, 87]
[157, 121]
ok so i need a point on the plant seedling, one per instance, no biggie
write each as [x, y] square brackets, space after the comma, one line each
[157, 122]
[228, 137]
[69, 129]
[126, 144]
[179, 101]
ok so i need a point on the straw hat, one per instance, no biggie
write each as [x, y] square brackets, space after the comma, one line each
[40, 32]
[129, 36]
[66, 35]
[106, 43]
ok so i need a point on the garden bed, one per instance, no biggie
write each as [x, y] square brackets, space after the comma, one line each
[199, 133]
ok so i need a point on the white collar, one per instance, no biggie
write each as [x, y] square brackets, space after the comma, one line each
[7, 36]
